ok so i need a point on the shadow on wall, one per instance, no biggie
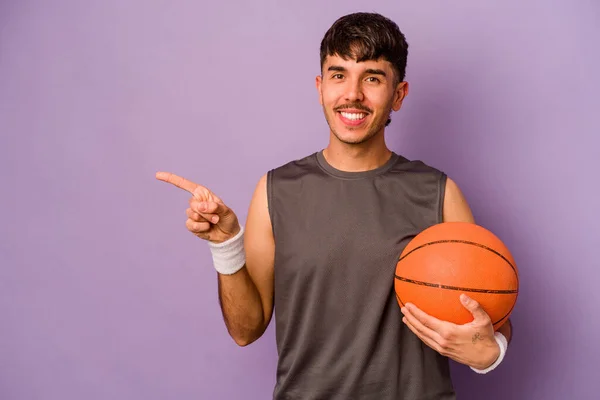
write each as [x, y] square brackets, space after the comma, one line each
[448, 123]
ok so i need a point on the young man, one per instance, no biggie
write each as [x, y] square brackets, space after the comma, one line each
[322, 239]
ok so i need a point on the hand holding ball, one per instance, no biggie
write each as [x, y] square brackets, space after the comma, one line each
[451, 258]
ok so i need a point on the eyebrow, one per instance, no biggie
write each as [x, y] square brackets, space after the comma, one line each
[368, 71]
[376, 72]
[336, 68]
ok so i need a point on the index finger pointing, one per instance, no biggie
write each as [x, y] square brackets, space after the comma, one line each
[178, 181]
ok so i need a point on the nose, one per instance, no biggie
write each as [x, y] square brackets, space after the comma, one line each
[354, 91]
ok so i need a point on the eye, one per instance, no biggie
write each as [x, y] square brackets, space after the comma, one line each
[337, 76]
[373, 79]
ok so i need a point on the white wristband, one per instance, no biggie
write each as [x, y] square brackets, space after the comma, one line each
[229, 256]
[503, 343]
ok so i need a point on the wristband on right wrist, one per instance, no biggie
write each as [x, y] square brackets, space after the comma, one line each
[229, 256]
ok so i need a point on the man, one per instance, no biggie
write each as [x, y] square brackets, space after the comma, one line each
[322, 239]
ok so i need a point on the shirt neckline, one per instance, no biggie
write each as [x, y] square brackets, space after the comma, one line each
[355, 174]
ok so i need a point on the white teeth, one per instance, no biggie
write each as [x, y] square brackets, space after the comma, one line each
[353, 116]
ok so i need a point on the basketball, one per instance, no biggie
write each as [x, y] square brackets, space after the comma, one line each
[451, 258]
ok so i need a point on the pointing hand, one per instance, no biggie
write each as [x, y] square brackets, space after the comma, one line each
[208, 217]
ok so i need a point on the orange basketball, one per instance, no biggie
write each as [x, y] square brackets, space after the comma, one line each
[451, 258]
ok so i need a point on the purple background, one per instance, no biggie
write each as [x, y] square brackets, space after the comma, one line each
[103, 292]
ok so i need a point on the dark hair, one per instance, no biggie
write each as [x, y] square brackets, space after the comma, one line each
[366, 36]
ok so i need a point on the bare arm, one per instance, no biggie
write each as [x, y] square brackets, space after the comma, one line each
[456, 209]
[246, 297]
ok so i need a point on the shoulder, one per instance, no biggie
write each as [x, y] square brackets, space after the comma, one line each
[455, 205]
[403, 164]
[420, 174]
[295, 167]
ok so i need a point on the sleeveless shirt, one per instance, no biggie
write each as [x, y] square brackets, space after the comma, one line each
[338, 235]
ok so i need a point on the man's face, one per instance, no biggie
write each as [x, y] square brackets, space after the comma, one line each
[357, 98]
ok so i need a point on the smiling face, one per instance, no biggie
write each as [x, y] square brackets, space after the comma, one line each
[358, 97]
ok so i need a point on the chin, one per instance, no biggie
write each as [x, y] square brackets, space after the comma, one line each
[353, 137]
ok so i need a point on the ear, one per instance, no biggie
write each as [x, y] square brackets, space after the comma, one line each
[400, 94]
[319, 82]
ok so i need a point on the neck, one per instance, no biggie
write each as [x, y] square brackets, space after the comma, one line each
[357, 157]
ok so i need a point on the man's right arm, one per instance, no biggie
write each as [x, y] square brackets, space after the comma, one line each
[246, 297]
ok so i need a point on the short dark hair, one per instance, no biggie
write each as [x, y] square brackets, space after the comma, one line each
[366, 36]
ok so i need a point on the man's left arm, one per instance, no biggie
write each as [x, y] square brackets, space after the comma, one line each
[474, 343]
[456, 209]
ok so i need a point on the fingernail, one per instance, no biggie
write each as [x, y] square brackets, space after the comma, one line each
[215, 219]
[202, 206]
[403, 310]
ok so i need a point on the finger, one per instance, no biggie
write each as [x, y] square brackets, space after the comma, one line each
[474, 308]
[426, 319]
[194, 216]
[202, 193]
[211, 207]
[197, 227]
[429, 342]
[422, 327]
[199, 207]
[178, 181]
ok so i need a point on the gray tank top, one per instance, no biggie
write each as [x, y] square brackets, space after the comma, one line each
[338, 235]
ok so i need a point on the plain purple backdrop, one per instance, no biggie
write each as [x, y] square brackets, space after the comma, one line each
[103, 292]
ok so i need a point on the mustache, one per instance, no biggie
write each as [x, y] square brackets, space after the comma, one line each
[355, 106]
